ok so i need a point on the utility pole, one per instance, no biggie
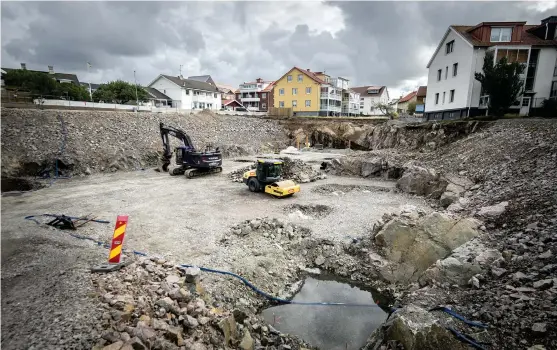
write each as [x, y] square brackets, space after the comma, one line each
[90, 91]
[181, 71]
[136, 99]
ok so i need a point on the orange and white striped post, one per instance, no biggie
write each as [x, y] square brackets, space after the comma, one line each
[118, 239]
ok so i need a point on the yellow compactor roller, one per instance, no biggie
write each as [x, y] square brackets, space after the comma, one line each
[267, 177]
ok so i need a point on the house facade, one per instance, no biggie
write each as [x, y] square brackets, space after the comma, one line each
[299, 89]
[188, 93]
[252, 95]
[370, 96]
[405, 101]
[453, 92]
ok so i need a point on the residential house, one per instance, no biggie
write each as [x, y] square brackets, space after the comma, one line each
[156, 98]
[452, 89]
[232, 105]
[370, 96]
[405, 101]
[227, 91]
[420, 100]
[188, 93]
[59, 77]
[250, 94]
[267, 98]
[203, 78]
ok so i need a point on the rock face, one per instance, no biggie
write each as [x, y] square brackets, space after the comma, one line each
[421, 181]
[98, 141]
[412, 245]
[413, 328]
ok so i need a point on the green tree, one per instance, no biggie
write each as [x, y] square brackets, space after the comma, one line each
[73, 92]
[501, 81]
[411, 108]
[119, 92]
[386, 109]
[34, 82]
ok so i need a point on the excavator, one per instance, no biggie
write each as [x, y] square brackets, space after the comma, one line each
[191, 162]
[267, 177]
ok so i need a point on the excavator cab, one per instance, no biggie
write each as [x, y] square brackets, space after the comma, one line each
[267, 177]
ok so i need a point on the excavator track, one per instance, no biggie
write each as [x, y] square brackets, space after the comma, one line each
[191, 173]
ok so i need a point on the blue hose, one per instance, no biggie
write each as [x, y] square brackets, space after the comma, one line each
[455, 315]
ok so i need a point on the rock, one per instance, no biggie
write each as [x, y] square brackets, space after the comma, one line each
[507, 255]
[172, 279]
[167, 304]
[204, 320]
[320, 260]
[145, 334]
[421, 181]
[87, 171]
[174, 334]
[255, 224]
[497, 271]
[246, 230]
[371, 167]
[546, 255]
[180, 294]
[247, 342]
[192, 274]
[415, 329]
[539, 328]
[474, 282]
[135, 343]
[159, 324]
[493, 211]
[191, 322]
[517, 276]
[543, 284]
[239, 315]
[114, 346]
[537, 347]
[448, 198]
[228, 327]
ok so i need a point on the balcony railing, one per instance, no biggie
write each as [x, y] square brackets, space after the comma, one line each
[250, 99]
[330, 108]
[331, 96]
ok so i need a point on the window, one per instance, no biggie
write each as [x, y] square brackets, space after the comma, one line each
[437, 98]
[444, 97]
[264, 105]
[188, 91]
[449, 47]
[501, 34]
[294, 91]
[289, 78]
[281, 103]
[446, 72]
[525, 101]
[455, 69]
[308, 103]
[451, 96]
[294, 103]
[308, 90]
[214, 95]
[281, 92]
[263, 95]
[361, 98]
[553, 92]
[300, 78]
[438, 74]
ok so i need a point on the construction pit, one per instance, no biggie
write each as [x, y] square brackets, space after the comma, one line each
[377, 229]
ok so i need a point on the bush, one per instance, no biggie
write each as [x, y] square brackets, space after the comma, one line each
[549, 109]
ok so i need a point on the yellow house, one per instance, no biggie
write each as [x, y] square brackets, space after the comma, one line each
[299, 89]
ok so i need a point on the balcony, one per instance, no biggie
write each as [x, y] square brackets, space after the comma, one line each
[250, 99]
[330, 108]
[331, 96]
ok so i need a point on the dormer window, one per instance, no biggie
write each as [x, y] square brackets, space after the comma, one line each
[372, 91]
[501, 34]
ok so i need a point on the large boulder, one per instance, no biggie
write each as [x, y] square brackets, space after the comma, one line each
[411, 246]
[372, 166]
[415, 329]
[421, 181]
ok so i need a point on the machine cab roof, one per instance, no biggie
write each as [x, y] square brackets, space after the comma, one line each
[270, 161]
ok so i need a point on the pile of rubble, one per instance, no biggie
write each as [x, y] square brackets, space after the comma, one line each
[293, 169]
[151, 304]
[238, 174]
[273, 229]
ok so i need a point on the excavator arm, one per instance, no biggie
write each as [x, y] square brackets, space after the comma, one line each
[181, 135]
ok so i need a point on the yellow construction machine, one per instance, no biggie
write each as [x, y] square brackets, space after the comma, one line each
[267, 177]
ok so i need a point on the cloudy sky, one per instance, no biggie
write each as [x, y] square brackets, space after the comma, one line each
[380, 43]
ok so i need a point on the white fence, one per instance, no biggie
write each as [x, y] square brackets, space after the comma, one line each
[255, 114]
[107, 106]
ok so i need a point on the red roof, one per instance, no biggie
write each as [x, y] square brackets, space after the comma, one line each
[269, 87]
[527, 38]
[422, 91]
[408, 97]
[310, 74]
[230, 102]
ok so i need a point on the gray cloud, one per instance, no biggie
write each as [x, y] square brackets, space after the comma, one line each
[384, 43]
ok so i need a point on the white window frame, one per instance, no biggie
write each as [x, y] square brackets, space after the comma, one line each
[455, 69]
[526, 98]
[300, 78]
[437, 98]
[500, 36]
[294, 91]
[281, 104]
[308, 90]
[444, 94]
[289, 78]
[281, 92]
[449, 47]
[451, 96]
[439, 73]
[308, 103]
[294, 103]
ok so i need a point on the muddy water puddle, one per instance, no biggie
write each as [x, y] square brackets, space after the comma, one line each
[329, 327]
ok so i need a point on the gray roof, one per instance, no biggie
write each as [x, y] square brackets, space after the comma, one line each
[93, 86]
[203, 78]
[191, 84]
[156, 94]
[57, 76]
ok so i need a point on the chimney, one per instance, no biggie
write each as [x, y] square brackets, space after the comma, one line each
[308, 70]
[259, 80]
[50, 69]
[23, 66]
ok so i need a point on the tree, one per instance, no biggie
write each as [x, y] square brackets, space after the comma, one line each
[119, 92]
[386, 109]
[40, 83]
[501, 81]
[412, 108]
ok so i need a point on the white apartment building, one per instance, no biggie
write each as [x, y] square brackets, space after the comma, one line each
[370, 96]
[337, 99]
[250, 95]
[188, 93]
[453, 92]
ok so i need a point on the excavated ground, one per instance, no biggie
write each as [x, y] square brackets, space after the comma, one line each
[183, 220]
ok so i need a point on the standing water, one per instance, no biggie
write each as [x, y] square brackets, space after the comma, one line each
[328, 327]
